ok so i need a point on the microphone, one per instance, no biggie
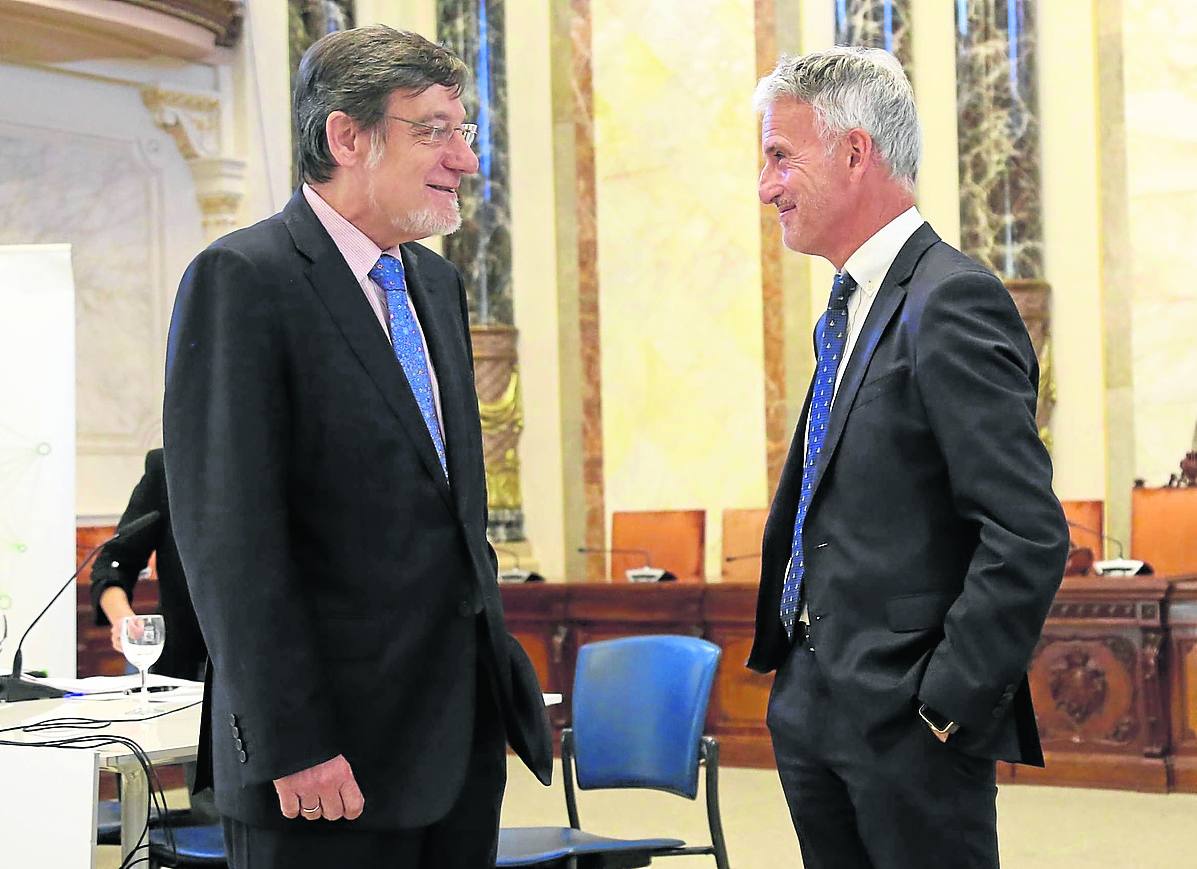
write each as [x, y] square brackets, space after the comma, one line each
[1114, 566]
[14, 688]
[635, 574]
[1080, 527]
[516, 574]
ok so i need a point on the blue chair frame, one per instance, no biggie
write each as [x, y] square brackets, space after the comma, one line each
[639, 705]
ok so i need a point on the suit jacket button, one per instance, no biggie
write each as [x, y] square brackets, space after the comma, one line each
[236, 731]
[466, 609]
[232, 719]
[242, 756]
[238, 744]
[997, 711]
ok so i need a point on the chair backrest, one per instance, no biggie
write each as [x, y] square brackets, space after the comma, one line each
[639, 704]
[675, 540]
[1164, 529]
[1086, 524]
[743, 531]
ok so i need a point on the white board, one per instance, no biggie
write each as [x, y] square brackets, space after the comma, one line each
[37, 452]
[48, 806]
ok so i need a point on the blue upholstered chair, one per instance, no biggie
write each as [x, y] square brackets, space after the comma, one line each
[108, 821]
[639, 704]
[200, 845]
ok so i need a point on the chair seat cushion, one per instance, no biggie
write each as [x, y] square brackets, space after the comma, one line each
[529, 846]
[108, 821]
[196, 846]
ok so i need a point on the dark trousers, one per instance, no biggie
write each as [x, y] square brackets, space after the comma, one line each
[917, 803]
[466, 838]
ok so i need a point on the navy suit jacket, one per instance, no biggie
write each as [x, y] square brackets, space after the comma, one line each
[933, 542]
[346, 590]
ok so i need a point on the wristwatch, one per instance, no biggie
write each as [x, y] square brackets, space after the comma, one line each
[940, 726]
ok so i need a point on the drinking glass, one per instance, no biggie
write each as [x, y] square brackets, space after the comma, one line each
[141, 641]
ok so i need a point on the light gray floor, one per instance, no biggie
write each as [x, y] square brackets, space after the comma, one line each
[1039, 827]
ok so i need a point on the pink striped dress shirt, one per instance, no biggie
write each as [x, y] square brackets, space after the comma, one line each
[360, 255]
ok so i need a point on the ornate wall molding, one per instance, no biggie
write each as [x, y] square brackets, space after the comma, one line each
[192, 119]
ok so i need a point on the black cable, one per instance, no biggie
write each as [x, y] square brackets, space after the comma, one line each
[155, 793]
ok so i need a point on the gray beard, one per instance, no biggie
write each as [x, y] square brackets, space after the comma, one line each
[428, 221]
[425, 222]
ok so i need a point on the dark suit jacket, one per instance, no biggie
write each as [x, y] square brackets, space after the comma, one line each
[933, 542]
[120, 561]
[346, 590]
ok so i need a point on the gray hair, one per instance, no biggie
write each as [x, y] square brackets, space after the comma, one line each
[356, 71]
[853, 88]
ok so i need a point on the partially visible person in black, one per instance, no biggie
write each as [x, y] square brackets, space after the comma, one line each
[117, 567]
[114, 576]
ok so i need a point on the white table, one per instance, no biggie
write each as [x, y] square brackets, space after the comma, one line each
[169, 739]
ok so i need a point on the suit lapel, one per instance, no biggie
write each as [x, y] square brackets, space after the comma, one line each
[440, 315]
[889, 299]
[334, 284]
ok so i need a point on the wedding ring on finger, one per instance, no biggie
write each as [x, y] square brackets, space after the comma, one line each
[314, 810]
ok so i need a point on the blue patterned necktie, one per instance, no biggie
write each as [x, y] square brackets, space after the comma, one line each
[831, 335]
[409, 345]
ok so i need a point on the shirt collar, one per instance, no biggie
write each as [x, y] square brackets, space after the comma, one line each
[360, 253]
[871, 262]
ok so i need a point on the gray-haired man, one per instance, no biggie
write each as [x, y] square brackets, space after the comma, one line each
[914, 544]
[324, 459]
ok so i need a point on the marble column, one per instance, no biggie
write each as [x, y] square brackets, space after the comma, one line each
[307, 21]
[876, 24]
[481, 249]
[998, 123]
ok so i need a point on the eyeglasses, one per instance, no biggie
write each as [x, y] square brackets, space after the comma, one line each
[432, 135]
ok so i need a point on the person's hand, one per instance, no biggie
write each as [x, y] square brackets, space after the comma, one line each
[115, 605]
[327, 790]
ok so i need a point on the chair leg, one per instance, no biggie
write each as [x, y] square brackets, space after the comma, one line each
[567, 776]
[714, 818]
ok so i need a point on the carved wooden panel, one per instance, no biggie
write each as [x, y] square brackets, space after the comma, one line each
[1084, 689]
[740, 697]
[1182, 617]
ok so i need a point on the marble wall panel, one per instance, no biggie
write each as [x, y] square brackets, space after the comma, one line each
[582, 113]
[777, 432]
[102, 197]
[1160, 78]
[676, 164]
[82, 162]
[998, 126]
[474, 30]
[877, 24]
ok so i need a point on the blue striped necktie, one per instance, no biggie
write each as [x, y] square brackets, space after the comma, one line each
[409, 345]
[832, 333]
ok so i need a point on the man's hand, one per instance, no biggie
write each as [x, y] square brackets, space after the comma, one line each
[327, 790]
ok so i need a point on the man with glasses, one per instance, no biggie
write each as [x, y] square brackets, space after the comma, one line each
[324, 456]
